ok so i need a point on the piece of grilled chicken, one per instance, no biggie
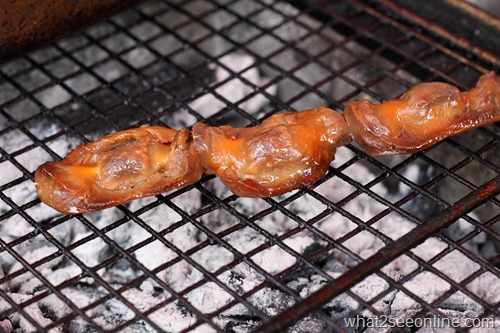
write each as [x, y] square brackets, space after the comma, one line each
[123, 166]
[425, 114]
[287, 151]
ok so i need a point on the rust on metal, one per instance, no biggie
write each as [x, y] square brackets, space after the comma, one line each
[29, 23]
[410, 240]
[477, 31]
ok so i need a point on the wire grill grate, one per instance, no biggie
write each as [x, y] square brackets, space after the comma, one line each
[203, 259]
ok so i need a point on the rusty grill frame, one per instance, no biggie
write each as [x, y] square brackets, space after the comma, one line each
[457, 62]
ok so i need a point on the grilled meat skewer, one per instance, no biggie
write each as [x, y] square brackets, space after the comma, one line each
[287, 151]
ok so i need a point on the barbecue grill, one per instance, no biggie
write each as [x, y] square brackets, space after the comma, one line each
[412, 237]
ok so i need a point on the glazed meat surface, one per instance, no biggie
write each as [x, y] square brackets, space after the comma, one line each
[424, 115]
[130, 164]
[287, 151]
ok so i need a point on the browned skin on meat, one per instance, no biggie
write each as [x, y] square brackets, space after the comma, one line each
[424, 115]
[287, 151]
[130, 164]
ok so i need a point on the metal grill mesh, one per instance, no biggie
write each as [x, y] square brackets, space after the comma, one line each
[156, 64]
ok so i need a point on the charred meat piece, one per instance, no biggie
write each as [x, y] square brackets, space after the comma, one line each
[130, 164]
[287, 151]
[424, 115]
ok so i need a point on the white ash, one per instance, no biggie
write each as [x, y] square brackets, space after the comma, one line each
[17, 320]
[454, 259]
[234, 90]
[158, 219]
[53, 96]
[240, 278]
[491, 294]
[25, 191]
